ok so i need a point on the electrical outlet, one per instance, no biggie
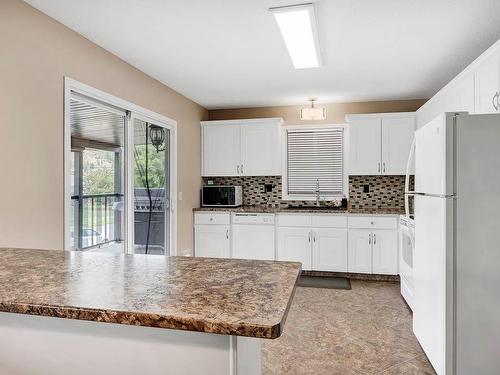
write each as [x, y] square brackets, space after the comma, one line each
[268, 188]
[366, 188]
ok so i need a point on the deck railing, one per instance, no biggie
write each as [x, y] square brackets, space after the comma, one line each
[98, 219]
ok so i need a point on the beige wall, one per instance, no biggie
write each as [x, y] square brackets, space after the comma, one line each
[335, 112]
[36, 52]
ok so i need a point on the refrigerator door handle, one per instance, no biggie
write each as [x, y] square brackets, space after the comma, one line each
[407, 191]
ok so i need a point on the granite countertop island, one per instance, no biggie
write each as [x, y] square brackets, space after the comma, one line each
[225, 296]
[216, 312]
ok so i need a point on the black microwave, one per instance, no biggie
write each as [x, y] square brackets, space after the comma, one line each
[221, 196]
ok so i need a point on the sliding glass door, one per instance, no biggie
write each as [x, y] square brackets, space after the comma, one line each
[151, 181]
[97, 176]
[119, 172]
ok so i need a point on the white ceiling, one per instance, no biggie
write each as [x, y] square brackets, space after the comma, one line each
[229, 53]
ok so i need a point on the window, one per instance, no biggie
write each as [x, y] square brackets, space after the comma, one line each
[315, 160]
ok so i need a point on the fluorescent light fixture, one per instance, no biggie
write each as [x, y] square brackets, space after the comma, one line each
[313, 113]
[298, 28]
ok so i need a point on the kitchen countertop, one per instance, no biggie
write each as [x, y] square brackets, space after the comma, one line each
[308, 210]
[224, 296]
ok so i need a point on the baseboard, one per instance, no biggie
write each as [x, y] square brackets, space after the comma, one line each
[354, 276]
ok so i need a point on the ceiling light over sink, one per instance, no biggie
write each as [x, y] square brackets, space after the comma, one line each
[298, 28]
[313, 113]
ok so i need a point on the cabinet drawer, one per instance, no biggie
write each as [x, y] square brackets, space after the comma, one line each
[294, 220]
[219, 218]
[329, 221]
[377, 222]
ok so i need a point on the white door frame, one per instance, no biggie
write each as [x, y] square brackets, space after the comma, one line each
[135, 112]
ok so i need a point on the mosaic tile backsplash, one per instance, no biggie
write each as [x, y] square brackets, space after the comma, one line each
[364, 191]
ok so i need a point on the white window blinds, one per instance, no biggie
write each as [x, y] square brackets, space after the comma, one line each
[314, 157]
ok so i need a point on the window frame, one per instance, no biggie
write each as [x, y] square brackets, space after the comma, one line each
[284, 160]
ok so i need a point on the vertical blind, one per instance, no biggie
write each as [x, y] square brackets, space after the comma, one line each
[315, 156]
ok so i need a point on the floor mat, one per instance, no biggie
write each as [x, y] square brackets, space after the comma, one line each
[324, 282]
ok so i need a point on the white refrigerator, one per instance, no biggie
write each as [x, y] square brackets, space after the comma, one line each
[456, 266]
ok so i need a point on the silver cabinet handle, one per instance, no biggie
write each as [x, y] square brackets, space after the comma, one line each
[498, 100]
[314, 237]
[378, 168]
[369, 239]
[241, 168]
[495, 102]
[227, 234]
[374, 239]
[237, 169]
[384, 166]
[309, 236]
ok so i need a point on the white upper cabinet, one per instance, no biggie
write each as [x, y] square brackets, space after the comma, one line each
[364, 146]
[380, 143]
[241, 147]
[460, 96]
[475, 90]
[260, 149]
[397, 136]
[487, 80]
[221, 150]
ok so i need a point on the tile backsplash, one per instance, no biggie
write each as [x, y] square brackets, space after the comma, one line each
[364, 191]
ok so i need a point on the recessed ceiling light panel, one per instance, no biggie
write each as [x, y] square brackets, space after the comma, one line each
[297, 24]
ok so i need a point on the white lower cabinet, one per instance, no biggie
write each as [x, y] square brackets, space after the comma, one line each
[212, 241]
[294, 244]
[373, 245]
[385, 252]
[318, 249]
[212, 234]
[321, 242]
[329, 251]
[360, 251]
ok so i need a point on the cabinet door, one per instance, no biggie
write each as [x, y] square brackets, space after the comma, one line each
[460, 97]
[260, 149]
[397, 135]
[221, 150]
[365, 147]
[329, 250]
[487, 81]
[294, 244]
[359, 254]
[212, 241]
[385, 252]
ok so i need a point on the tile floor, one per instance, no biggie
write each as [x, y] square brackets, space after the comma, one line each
[366, 330]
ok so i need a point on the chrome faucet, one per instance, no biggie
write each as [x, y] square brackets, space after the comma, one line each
[318, 197]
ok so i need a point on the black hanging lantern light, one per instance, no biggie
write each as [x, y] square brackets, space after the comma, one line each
[157, 136]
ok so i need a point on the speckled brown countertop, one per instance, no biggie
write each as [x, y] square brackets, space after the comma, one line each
[326, 210]
[225, 296]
